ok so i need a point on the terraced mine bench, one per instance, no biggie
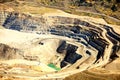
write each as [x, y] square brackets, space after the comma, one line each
[60, 46]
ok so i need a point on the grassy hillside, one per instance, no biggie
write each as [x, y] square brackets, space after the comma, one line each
[78, 7]
[107, 7]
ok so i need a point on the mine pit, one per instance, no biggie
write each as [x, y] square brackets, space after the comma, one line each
[55, 45]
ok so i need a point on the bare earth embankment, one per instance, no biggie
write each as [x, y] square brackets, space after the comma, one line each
[39, 43]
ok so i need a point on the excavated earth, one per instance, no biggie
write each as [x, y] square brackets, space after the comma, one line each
[56, 45]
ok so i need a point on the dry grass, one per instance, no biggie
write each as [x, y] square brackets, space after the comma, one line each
[35, 10]
[109, 12]
[93, 76]
[83, 76]
[111, 21]
[73, 11]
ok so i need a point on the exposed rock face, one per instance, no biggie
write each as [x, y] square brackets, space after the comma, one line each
[69, 43]
[7, 53]
[3, 16]
[21, 22]
[4, 11]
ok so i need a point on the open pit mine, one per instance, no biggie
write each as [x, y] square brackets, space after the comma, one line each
[54, 46]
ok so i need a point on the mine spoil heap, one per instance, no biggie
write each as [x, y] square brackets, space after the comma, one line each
[54, 46]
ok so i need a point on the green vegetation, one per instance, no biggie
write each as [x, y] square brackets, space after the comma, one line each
[54, 67]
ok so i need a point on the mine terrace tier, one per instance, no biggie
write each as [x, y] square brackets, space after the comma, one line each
[55, 45]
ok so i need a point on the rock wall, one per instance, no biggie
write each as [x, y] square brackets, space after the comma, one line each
[7, 52]
[65, 26]
[3, 16]
[23, 22]
[97, 42]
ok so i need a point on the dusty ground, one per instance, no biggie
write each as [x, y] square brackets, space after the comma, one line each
[19, 69]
